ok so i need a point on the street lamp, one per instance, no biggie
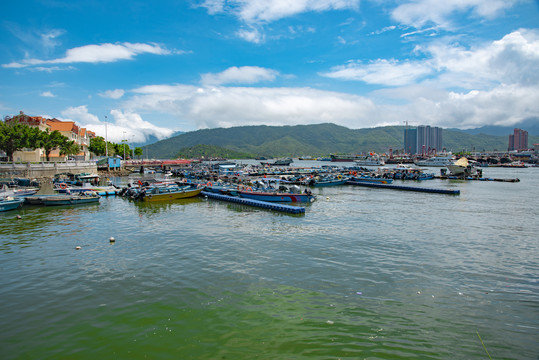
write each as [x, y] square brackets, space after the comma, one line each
[124, 145]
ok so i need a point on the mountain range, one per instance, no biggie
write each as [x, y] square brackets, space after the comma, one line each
[318, 140]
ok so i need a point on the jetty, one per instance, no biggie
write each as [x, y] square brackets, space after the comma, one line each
[256, 203]
[405, 188]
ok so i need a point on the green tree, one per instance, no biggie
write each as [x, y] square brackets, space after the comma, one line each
[15, 137]
[98, 146]
[69, 148]
[138, 151]
[52, 140]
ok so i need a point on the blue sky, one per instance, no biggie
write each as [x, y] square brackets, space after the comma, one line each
[152, 68]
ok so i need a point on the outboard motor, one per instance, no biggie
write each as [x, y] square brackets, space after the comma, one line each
[295, 189]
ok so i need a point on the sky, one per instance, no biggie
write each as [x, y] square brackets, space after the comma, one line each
[136, 70]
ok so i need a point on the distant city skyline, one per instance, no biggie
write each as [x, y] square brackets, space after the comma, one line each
[518, 140]
[424, 139]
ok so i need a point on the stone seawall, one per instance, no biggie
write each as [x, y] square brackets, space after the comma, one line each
[46, 169]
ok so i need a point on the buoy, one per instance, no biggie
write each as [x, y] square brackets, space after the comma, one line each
[112, 239]
[19, 217]
[77, 247]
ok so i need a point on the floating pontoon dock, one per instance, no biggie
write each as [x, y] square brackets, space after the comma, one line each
[257, 203]
[405, 188]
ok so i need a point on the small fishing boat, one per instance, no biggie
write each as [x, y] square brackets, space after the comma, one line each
[10, 203]
[327, 181]
[82, 198]
[170, 193]
[276, 196]
[271, 190]
[370, 179]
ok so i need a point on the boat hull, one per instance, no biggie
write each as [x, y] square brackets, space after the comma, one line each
[372, 180]
[69, 200]
[6, 205]
[184, 194]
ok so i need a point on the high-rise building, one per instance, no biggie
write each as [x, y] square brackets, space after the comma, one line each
[518, 140]
[424, 139]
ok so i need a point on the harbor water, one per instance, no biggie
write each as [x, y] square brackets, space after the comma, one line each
[363, 274]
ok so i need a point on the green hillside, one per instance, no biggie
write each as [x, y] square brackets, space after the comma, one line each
[313, 140]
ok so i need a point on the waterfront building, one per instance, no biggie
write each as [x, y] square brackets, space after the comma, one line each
[518, 140]
[423, 140]
[69, 129]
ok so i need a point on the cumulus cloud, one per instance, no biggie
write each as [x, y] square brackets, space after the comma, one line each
[102, 53]
[240, 75]
[510, 60]
[80, 115]
[112, 94]
[419, 13]
[120, 125]
[47, 94]
[210, 107]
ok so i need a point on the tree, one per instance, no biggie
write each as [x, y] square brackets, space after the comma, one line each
[138, 151]
[98, 146]
[51, 140]
[15, 137]
[69, 148]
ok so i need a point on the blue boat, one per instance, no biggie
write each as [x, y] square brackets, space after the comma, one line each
[370, 179]
[7, 204]
[327, 181]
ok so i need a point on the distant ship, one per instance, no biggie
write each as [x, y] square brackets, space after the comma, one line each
[346, 157]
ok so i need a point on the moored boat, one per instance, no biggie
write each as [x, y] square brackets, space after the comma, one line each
[370, 179]
[372, 160]
[327, 181]
[276, 196]
[437, 161]
[10, 203]
[171, 193]
[83, 198]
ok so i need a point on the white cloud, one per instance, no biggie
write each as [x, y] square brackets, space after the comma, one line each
[384, 72]
[240, 75]
[454, 86]
[419, 13]
[112, 94]
[102, 53]
[510, 60]
[47, 94]
[80, 115]
[256, 13]
[121, 125]
[209, 107]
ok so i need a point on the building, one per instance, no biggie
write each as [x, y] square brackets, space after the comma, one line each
[69, 129]
[518, 140]
[423, 140]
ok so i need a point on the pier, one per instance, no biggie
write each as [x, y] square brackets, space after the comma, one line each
[256, 203]
[405, 188]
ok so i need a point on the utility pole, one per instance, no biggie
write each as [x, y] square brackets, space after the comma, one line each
[124, 144]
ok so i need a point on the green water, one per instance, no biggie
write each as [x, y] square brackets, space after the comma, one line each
[364, 274]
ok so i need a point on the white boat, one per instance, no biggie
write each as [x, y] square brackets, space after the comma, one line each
[438, 161]
[371, 161]
[462, 167]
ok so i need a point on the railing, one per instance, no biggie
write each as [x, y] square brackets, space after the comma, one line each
[37, 169]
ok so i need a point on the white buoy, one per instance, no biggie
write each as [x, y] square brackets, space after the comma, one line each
[112, 239]
[77, 247]
[19, 217]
